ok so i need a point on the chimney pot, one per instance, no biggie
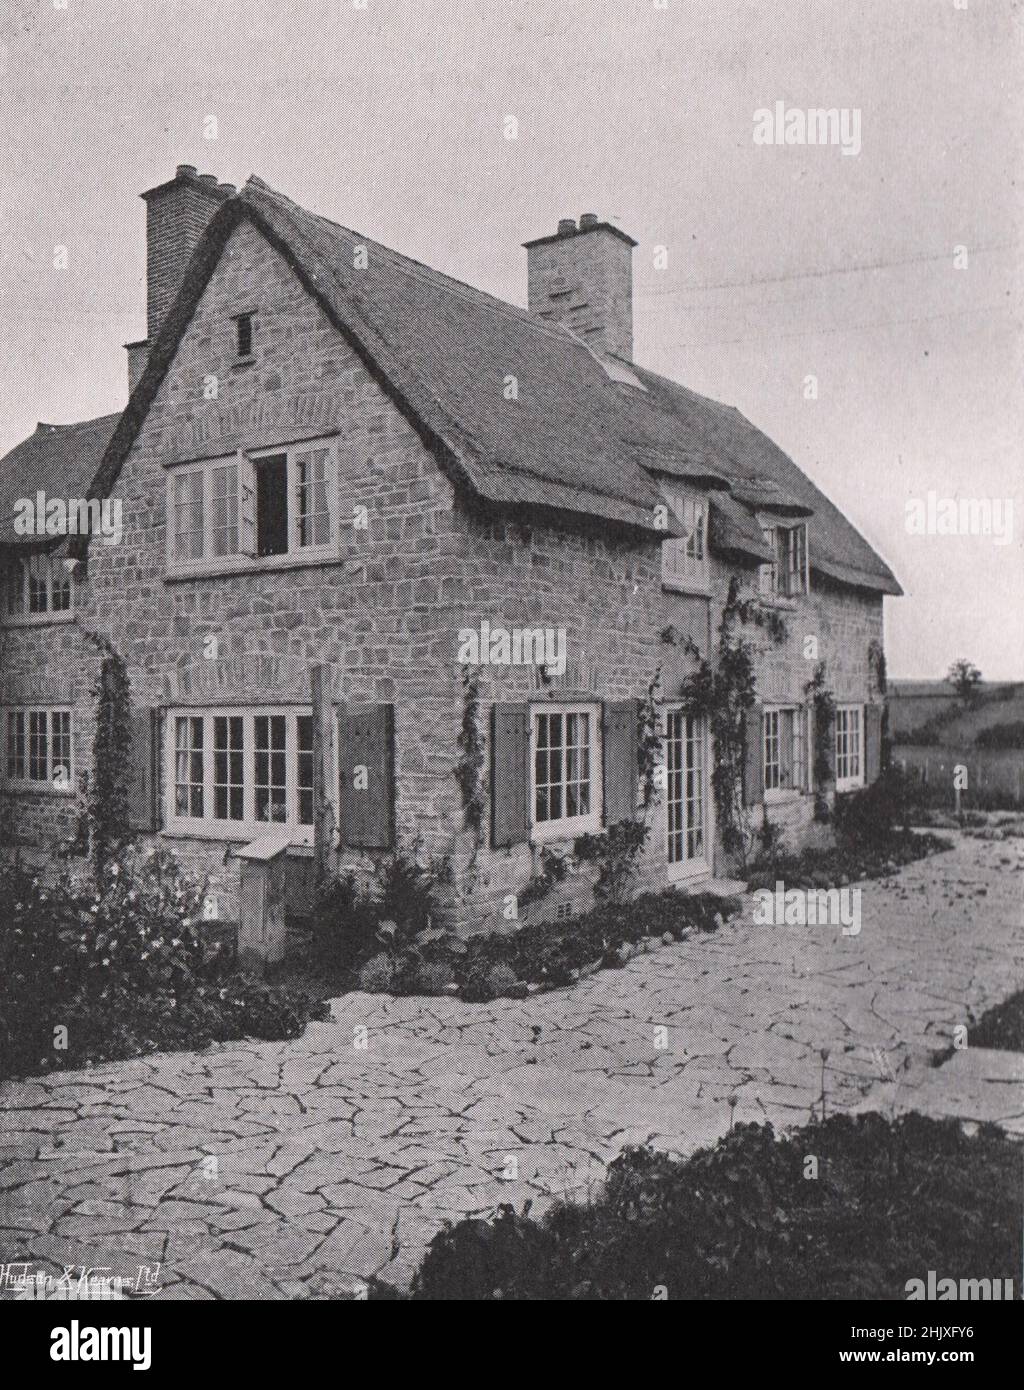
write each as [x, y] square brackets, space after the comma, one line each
[227, 188]
[210, 179]
[184, 170]
[566, 226]
[588, 220]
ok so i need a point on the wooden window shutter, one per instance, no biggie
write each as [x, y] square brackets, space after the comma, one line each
[620, 763]
[246, 504]
[809, 761]
[753, 767]
[143, 810]
[366, 757]
[872, 743]
[510, 778]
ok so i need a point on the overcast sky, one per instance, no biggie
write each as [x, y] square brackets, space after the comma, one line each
[783, 262]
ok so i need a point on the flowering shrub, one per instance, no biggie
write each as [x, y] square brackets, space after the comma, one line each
[87, 974]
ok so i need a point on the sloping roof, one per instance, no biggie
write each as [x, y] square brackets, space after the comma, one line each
[574, 439]
[62, 460]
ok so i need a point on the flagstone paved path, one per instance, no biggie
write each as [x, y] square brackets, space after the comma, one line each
[277, 1170]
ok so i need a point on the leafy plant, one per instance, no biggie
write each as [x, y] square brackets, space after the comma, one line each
[616, 852]
[469, 769]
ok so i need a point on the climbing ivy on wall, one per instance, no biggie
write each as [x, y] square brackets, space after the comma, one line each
[648, 745]
[106, 792]
[469, 770]
[722, 693]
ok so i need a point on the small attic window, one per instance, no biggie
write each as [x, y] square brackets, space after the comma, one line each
[243, 335]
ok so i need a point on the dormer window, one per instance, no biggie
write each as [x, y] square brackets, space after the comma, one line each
[243, 335]
[37, 589]
[787, 575]
[684, 561]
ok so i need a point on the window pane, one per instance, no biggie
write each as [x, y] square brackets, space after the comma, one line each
[38, 591]
[38, 746]
[60, 746]
[60, 588]
[188, 767]
[187, 516]
[314, 523]
[228, 766]
[16, 745]
[225, 510]
[562, 766]
[305, 766]
[271, 793]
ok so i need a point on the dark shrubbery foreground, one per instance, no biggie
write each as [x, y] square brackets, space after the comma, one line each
[1002, 1027]
[89, 975]
[892, 1200]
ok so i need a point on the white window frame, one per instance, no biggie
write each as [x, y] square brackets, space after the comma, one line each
[247, 521]
[685, 563]
[849, 752]
[39, 566]
[797, 785]
[25, 782]
[208, 827]
[568, 827]
[699, 865]
[792, 580]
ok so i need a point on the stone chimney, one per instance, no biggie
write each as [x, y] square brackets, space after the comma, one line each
[583, 277]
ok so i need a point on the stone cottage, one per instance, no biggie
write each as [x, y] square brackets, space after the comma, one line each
[393, 563]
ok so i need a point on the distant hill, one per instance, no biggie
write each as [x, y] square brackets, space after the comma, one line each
[931, 709]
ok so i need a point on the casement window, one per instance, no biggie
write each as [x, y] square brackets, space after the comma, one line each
[787, 575]
[234, 773]
[684, 561]
[252, 505]
[561, 770]
[566, 769]
[686, 759]
[849, 747]
[37, 590]
[37, 750]
[784, 733]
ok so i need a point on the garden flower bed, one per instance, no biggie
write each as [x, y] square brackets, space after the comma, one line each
[89, 975]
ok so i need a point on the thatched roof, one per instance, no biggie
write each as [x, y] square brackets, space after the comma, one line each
[578, 440]
[62, 460]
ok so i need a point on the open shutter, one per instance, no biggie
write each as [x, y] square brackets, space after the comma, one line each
[246, 505]
[872, 743]
[753, 767]
[143, 812]
[809, 759]
[620, 764]
[510, 779]
[367, 777]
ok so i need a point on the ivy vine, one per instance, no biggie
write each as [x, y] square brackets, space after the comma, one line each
[648, 745]
[469, 768]
[106, 793]
[722, 694]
